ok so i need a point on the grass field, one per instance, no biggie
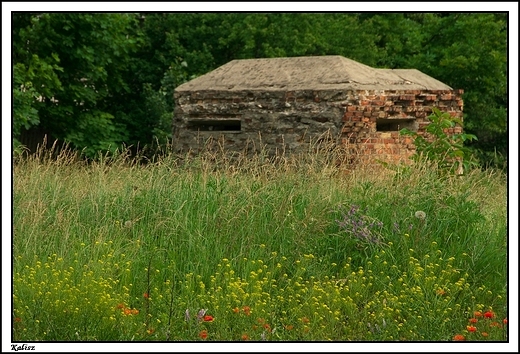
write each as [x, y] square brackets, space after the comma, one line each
[252, 249]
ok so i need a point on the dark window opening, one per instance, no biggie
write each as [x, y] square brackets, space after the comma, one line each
[394, 125]
[219, 125]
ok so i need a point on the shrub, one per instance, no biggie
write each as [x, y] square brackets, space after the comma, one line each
[446, 150]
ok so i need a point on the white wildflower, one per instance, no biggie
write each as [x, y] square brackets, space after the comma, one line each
[420, 215]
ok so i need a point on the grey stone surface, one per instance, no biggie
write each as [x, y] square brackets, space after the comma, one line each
[309, 73]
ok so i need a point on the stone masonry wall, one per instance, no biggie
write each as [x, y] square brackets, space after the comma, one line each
[366, 122]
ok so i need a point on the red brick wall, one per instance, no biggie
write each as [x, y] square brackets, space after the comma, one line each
[360, 131]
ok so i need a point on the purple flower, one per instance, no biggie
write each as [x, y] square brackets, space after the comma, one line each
[360, 226]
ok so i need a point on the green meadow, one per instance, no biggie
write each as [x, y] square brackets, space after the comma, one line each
[258, 248]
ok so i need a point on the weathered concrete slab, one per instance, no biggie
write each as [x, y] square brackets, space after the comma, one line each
[309, 73]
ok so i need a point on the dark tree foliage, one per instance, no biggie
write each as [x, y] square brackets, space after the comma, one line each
[76, 65]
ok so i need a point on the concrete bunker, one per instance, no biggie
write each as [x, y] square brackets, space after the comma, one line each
[282, 104]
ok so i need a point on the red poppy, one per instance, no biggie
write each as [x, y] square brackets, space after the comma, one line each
[473, 320]
[267, 327]
[485, 334]
[504, 320]
[459, 338]
[495, 324]
[247, 310]
[208, 318]
[135, 311]
[245, 337]
[478, 314]
[489, 314]
[471, 328]
[289, 327]
[146, 295]
[236, 310]
[120, 306]
[17, 319]
[203, 334]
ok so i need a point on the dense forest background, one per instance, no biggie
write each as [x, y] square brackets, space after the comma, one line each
[97, 81]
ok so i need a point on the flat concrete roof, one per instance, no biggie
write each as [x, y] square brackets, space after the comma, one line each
[332, 72]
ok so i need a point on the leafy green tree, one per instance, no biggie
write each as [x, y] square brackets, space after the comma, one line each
[28, 89]
[156, 67]
[82, 58]
[397, 38]
[34, 78]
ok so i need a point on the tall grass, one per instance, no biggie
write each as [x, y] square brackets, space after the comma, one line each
[273, 247]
